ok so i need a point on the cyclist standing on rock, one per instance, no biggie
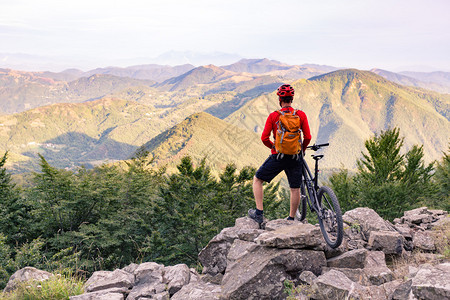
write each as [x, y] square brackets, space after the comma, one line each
[286, 124]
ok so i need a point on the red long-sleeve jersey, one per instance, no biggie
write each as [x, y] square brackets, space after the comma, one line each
[271, 127]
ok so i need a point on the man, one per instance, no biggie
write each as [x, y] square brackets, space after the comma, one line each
[277, 162]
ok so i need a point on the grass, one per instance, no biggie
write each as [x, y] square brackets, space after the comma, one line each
[58, 287]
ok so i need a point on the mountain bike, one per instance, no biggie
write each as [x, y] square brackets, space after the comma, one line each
[321, 200]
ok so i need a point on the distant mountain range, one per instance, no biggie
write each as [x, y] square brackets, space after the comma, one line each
[87, 120]
[435, 81]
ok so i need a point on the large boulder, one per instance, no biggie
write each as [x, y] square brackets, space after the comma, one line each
[362, 266]
[354, 259]
[336, 285]
[102, 280]
[26, 274]
[109, 294]
[293, 236]
[198, 290]
[367, 220]
[424, 240]
[258, 272]
[176, 277]
[390, 242]
[214, 256]
[432, 282]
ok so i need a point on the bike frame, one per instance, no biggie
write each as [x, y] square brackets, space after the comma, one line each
[311, 186]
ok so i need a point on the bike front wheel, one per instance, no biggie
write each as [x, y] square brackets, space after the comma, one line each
[331, 220]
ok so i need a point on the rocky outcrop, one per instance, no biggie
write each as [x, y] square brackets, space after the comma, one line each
[26, 274]
[245, 262]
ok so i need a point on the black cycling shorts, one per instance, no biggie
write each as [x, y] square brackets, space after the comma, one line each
[273, 166]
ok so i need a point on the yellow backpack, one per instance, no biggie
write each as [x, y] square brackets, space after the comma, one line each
[288, 139]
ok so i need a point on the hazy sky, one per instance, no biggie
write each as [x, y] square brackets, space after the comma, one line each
[390, 34]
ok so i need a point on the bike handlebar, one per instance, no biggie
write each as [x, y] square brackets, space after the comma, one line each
[317, 147]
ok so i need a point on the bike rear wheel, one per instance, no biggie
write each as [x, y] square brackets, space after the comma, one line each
[301, 210]
[331, 221]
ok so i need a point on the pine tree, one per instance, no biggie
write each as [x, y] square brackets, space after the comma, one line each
[387, 181]
[14, 222]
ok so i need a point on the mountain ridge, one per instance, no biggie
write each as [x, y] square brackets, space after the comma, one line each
[346, 107]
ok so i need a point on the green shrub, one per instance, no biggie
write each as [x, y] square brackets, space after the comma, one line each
[57, 287]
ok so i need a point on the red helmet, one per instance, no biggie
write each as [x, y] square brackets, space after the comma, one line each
[285, 90]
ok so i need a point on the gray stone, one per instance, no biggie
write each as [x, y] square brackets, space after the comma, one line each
[214, 256]
[432, 282]
[100, 295]
[26, 274]
[258, 272]
[376, 270]
[362, 266]
[402, 291]
[249, 235]
[418, 219]
[275, 224]
[354, 259]
[404, 230]
[442, 222]
[390, 242]
[198, 291]
[416, 211]
[102, 280]
[176, 277]
[335, 285]
[367, 219]
[149, 272]
[246, 223]
[296, 236]
[307, 277]
[146, 290]
[131, 268]
[423, 240]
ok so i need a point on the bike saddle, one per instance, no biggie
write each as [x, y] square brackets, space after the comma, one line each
[317, 157]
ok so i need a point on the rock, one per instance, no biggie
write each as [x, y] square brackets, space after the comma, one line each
[100, 295]
[297, 236]
[149, 289]
[216, 279]
[390, 242]
[376, 270]
[26, 274]
[432, 282]
[131, 268]
[214, 256]
[402, 291]
[148, 273]
[102, 280]
[442, 222]
[275, 224]
[416, 211]
[307, 277]
[418, 219]
[424, 240]
[335, 285]
[246, 223]
[176, 277]
[367, 219]
[404, 230]
[352, 260]
[258, 272]
[362, 266]
[198, 291]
